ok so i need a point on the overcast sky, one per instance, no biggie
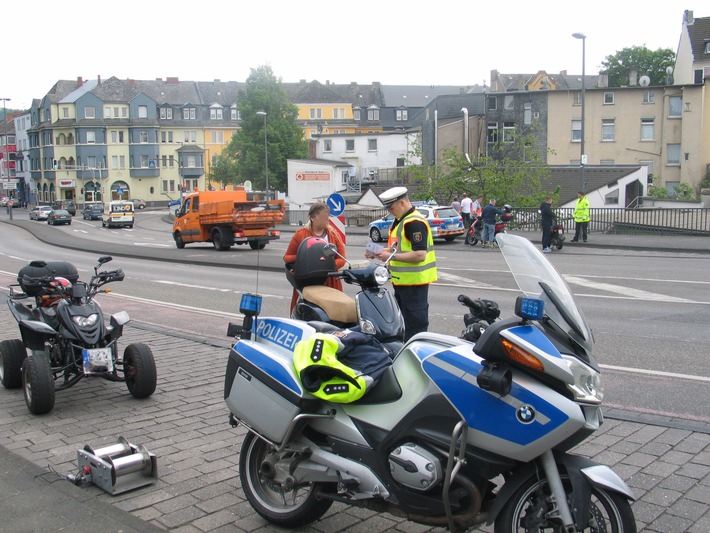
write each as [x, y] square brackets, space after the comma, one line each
[395, 42]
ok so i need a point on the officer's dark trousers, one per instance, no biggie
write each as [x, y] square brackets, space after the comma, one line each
[413, 301]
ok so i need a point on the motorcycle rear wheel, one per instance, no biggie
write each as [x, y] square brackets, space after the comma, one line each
[12, 354]
[526, 509]
[38, 384]
[290, 508]
[139, 370]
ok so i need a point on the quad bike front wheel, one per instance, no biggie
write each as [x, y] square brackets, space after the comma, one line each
[291, 507]
[12, 354]
[38, 384]
[139, 370]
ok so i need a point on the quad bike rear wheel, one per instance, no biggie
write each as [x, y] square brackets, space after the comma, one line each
[12, 354]
[139, 370]
[38, 384]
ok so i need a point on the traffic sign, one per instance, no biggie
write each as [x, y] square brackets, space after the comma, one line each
[336, 203]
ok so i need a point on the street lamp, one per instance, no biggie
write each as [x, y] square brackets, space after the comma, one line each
[266, 152]
[582, 155]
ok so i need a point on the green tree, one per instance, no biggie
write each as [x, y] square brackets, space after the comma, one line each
[512, 174]
[646, 62]
[223, 169]
[264, 92]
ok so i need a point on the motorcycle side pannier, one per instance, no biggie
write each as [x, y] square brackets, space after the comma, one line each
[29, 276]
[264, 391]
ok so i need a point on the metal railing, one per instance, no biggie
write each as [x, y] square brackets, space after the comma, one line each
[657, 221]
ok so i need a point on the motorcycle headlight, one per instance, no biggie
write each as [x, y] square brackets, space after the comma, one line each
[381, 275]
[86, 321]
[587, 386]
[367, 327]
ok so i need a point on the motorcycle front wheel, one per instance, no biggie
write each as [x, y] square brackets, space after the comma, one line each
[38, 384]
[471, 239]
[139, 370]
[286, 507]
[527, 510]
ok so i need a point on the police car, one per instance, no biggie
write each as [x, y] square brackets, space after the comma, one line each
[444, 221]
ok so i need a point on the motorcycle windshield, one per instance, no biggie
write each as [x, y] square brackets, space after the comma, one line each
[537, 278]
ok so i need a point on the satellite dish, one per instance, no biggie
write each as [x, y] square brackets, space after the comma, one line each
[644, 81]
[247, 186]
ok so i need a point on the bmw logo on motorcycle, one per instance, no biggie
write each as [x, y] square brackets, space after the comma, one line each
[525, 414]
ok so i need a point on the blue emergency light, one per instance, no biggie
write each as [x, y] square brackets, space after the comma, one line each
[529, 308]
[250, 304]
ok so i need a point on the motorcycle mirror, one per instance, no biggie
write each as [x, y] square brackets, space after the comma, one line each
[330, 250]
[105, 259]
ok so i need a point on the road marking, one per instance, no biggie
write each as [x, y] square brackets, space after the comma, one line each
[80, 231]
[454, 280]
[152, 244]
[637, 294]
[656, 373]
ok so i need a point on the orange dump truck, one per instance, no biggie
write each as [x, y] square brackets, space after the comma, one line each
[226, 218]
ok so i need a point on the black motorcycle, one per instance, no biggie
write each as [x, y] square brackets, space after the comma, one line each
[67, 337]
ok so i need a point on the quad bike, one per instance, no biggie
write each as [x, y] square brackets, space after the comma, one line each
[67, 337]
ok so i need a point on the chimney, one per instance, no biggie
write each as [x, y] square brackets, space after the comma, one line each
[688, 17]
[98, 77]
[563, 73]
[158, 79]
[633, 78]
[79, 82]
[172, 79]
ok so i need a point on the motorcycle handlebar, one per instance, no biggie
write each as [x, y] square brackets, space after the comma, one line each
[472, 304]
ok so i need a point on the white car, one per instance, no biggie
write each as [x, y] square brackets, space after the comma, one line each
[41, 212]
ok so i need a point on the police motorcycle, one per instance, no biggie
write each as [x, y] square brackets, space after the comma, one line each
[374, 309]
[67, 337]
[455, 433]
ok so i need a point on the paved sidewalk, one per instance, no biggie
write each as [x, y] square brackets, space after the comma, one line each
[185, 425]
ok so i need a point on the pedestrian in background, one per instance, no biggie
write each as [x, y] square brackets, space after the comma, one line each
[581, 217]
[318, 225]
[466, 205]
[413, 266]
[456, 205]
[489, 214]
[547, 217]
[476, 208]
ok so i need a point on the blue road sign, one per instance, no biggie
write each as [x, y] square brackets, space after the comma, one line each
[336, 203]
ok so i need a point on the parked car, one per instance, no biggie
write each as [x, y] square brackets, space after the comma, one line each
[40, 212]
[67, 205]
[13, 202]
[444, 221]
[138, 203]
[58, 216]
[93, 211]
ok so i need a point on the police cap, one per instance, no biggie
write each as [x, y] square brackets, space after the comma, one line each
[390, 196]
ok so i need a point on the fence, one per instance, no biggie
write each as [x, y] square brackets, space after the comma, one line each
[691, 222]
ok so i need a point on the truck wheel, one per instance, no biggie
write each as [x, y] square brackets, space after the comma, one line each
[139, 370]
[38, 384]
[256, 245]
[12, 354]
[178, 241]
[218, 240]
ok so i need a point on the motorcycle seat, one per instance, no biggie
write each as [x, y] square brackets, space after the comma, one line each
[338, 306]
[386, 390]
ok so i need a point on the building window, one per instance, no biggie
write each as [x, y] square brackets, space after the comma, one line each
[508, 132]
[492, 103]
[170, 136]
[675, 106]
[372, 145]
[508, 102]
[356, 114]
[373, 114]
[609, 98]
[188, 113]
[142, 111]
[143, 136]
[145, 161]
[65, 112]
[339, 112]
[647, 129]
[673, 154]
[89, 112]
[492, 137]
[608, 129]
[114, 162]
[402, 115]
[163, 136]
[577, 98]
[316, 113]
[328, 146]
[190, 136]
[91, 137]
[527, 113]
[349, 145]
[216, 113]
[576, 131]
[649, 97]
[217, 137]
[607, 162]
[107, 112]
[91, 161]
[124, 112]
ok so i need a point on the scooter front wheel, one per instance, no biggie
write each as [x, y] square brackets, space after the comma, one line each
[38, 384]
[12, 354]
[528, 510]
[291, 507]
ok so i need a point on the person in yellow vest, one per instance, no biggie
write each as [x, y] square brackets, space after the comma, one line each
[581, 217]
[413, 266]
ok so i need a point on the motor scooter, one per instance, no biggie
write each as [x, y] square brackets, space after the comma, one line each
[67, 337]
[475, 230]
[455, 433]
[557, 236]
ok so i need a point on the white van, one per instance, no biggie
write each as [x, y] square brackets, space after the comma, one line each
[117, 213]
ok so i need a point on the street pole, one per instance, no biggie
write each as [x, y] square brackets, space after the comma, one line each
[5, 163]
[266, 153]
[582, 155]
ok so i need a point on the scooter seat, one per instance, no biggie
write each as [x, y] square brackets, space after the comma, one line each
[338, 306]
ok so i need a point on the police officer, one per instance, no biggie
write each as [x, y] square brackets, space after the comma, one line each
[413, 266]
